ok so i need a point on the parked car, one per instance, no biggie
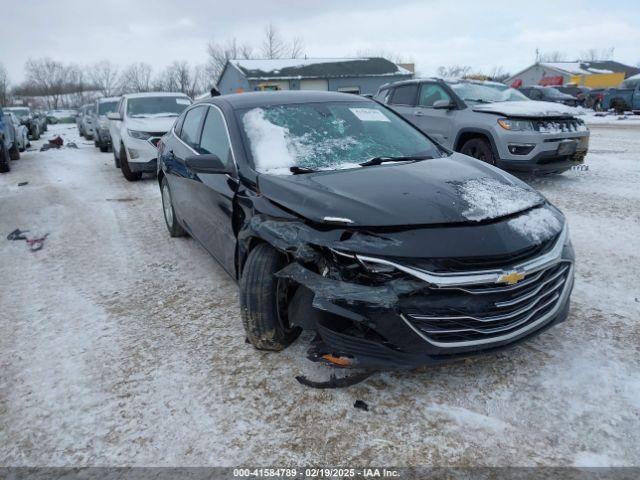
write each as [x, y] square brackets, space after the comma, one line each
[492, 122]
[5, 143]
[85, 119]
[27, 119]
[14, 134]
[62, 116]
[336, 215]
[18, 133]
[549, 94]
[136, 128]
[624, 98]
[103, 106]
[580, 93]
[41, 118]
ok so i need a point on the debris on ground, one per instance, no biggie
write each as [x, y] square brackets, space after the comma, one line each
[55, 142]
[34, 244]
[72, 145]
[362, 405]
[22, 184]
[335, 382]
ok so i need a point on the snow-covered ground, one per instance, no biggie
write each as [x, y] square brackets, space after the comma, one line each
[122, 346]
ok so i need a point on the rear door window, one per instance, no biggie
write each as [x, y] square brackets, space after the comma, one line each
[405, 95]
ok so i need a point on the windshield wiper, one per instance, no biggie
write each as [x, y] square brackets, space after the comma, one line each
[478, 100]
[298, 170]
[407, 158]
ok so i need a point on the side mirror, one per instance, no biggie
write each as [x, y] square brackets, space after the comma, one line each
[114, 116]
[209, 163]
[443, 105]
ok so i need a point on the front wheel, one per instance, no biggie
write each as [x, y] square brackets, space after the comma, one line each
[126, 169]
[264, 299]
[480, 149]
[174, 227]
[5, 166]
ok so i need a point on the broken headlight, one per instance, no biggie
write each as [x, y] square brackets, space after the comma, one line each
[353, 267]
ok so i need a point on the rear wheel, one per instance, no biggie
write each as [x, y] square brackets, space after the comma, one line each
[36, 133]
[5, 166]
[479, 148]
[126, 169]
[264, 300]
[14, 152]
[174, 227]
[619, 105]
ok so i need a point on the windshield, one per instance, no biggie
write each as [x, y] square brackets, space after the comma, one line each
[20, 112]
[328, 136]
[475, 93]
[554, 92]
[107, 107]
[156, 106]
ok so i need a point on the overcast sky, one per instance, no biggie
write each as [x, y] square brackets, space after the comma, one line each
[482, 34]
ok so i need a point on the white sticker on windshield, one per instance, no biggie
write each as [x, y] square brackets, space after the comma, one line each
[369, 115]
[183, 101]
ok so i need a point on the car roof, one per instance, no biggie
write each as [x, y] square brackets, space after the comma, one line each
[282, 97]
[154, 94]
[107, 99]
[410, 81]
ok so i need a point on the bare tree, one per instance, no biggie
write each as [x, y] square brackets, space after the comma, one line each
[498, 74]
[554, 56]
[49, 78]
[297, 47]
[597, 54]
[454, 71]
[136, 78]
[272, 46]
[4, 86]
[181, 77]
[219, 54]
[104, 76]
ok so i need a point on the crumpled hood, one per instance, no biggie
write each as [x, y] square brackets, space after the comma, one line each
[456, 189]
[526, 108]
[158, 124]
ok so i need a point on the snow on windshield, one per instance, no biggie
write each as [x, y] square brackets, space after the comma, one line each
[486, 93]
[327, 136]
[537, 225]
[489, 198]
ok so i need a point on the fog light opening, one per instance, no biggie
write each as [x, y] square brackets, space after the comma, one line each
[520, 148]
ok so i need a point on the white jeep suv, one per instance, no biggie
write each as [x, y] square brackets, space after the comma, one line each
[136, 128]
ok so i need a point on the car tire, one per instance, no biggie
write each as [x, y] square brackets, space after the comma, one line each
[126, 169]
[479, 148]
[170, 218]
[263, 300]
[5, 166]
[36, 134]
[105, 149]
[619, 105]
[116, 159]
[14, 152]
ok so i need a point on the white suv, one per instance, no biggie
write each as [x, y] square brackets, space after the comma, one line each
[136, 128]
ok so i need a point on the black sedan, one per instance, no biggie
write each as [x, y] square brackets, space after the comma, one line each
[336, 215]
[549, 94]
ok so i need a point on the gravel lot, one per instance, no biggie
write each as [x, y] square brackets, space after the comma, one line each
[122, 346]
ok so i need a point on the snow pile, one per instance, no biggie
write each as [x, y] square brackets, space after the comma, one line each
[528, 108]
[275, 149]
[489, 198]
[268, 144]
[537, 225]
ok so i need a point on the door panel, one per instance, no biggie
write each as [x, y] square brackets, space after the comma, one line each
[436, 123]
[212, 195]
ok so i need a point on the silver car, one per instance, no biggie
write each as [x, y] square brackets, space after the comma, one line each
[103, 106]
[492, 122]
[85, 121]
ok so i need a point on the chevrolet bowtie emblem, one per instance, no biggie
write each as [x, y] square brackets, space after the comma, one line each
[510, 278]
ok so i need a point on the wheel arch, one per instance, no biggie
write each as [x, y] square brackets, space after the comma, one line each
[466, 134]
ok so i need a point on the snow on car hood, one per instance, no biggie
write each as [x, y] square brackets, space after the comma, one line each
[153, 124]
[527, 108]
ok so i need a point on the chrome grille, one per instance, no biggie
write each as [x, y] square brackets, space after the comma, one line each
[479, 313]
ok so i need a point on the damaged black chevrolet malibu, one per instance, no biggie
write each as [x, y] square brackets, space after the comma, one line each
[336, 215]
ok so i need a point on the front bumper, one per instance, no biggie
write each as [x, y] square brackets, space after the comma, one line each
[550, 152]
[410, 321]
[103, 137]
[141, 154]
